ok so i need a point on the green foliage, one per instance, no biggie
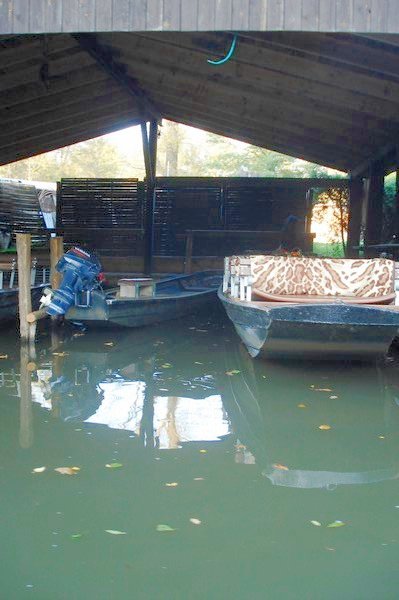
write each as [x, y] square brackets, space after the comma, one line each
[329, 250]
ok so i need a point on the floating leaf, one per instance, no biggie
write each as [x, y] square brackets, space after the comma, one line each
[198, 363]
[324, 427]
[232, 372]
[39, 470]
[203, 479]
[322, 389]
[76, 536]
[336, 524]
[109, 343]
[67, 470]
[316, 523]
[164, 528]
[115, 532]
[382, 437]
[203, 451]
[114, 465]
[61, 354]
[166, 366]
[75, 335]
[301, 405]
[281, 467]
[3, 356]
[172, 484]
[195, 521]
[333, 397]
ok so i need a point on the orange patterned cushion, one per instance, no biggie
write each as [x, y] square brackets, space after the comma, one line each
[366, 278]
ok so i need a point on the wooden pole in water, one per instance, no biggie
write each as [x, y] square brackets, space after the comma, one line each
[24, 285]
[26, 418]
[56, 251]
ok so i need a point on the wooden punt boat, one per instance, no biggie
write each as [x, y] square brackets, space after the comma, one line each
[9, 290]
[164, 300]
[346, 326]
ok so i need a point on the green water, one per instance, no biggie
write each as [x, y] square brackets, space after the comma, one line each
[183, 404]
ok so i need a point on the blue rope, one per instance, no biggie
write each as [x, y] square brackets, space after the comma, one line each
[228, 55]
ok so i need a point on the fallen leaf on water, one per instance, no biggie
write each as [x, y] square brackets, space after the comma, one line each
[75, 335]
[301, 405]
[333, 397]
[233, 372]
[3, 356]
[39, 470]
[114, 465]
[67, 470]
[281, 467]
[172, 484]
[115, 532]
[76, 536]
[203, 479]
[109, 343]
[166, 366]
[322, 390]
[240, 447]
[202, 330]
[330, 549]
[195, 521]
[382, 437]
[203, 451]
[198, 363]
[60, 353]
[316, 523]
[324, 427]
[336, 524]
[164, 528]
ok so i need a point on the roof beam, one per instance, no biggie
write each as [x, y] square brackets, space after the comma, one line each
[117, 71]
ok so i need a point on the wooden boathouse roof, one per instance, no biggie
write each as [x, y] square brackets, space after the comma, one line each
[330, 96]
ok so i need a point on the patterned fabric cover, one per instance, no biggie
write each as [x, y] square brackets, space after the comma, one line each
[288, 275]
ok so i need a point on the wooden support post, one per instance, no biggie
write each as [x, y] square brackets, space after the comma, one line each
[375, 196]
[56, 251]
[189, 252]
[396, 217]
[150, 160]
[24, 285]
[355, 216]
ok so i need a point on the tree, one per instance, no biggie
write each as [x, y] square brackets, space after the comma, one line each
[333, 204]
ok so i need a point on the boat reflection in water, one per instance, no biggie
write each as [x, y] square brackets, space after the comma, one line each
[315, 425]
[131, 386]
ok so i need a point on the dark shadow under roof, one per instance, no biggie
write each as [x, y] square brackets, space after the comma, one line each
[328, 98]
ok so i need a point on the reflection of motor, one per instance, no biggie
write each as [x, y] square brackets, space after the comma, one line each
[80, 271]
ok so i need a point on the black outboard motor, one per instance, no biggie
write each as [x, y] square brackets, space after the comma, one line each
[80, 270]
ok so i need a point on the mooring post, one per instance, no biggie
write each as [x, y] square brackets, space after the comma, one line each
[26, 330]
[56, 251]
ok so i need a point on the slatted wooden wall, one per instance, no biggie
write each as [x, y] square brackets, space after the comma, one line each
[104, 215]
[20, 211]
[37, 16]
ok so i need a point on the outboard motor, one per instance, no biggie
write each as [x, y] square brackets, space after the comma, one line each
[80, 270]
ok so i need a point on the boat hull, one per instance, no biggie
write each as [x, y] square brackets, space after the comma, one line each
[9, 302]
[172, 302]
[304, 331]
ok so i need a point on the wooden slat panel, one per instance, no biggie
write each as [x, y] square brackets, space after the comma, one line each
[275, 14]
[189, 16]
[361, 14]
[121, 15]
[37, 9]
[87, 15]
[171, 15]
[257, 15]
[20, 211]
[391, 21]
[103, 15]
[292, 14]
[54, 16]
[327, 19]
[70, 16]
[6, 10]
[154, 18]
[344, 15]
[223, 14]
[20, 16]
[206, 15]
[310, 14]
[240, 15]
[138, 11]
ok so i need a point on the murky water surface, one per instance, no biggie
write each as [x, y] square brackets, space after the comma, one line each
[228, 477]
